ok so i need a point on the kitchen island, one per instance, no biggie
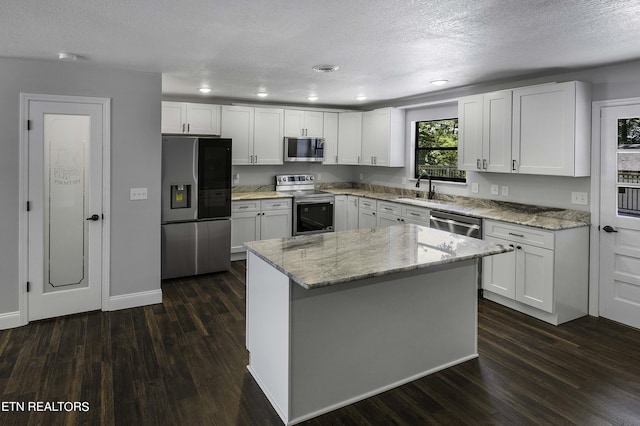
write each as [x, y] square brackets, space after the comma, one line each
[338, 317]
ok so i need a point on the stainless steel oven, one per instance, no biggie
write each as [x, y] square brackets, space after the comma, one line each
[313, 210]
[313, 215]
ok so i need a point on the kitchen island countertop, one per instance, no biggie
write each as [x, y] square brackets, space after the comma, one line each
[321, 260]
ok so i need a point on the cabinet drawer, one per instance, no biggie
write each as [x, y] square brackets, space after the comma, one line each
[524, 234]
[416, 213]
[245, 206]
[367, 204]
[389, 208]
[276, 204]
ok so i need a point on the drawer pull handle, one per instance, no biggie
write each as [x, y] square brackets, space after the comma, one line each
[388, 209]
[516, 235]
[243, 207]
[414, 214]
[276, 205]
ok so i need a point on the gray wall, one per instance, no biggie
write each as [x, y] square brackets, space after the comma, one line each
[135, 162]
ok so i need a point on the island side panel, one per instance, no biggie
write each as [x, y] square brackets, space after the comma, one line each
[354, 340]
[268, 331]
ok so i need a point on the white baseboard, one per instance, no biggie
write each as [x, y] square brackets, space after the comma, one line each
[10, 320]
[134, 300]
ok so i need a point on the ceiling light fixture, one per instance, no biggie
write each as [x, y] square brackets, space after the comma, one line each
[65, 56]
[312, 98]
[262, 94]
[204, 89]
[439, 82]
[361, 98]
[326, 68]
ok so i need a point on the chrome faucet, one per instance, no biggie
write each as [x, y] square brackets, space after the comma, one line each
[431, 191]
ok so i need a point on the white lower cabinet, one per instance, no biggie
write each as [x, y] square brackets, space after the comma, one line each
[340, 211]
[367, 216]
[253, 220]
[546, 276]
[352, 211]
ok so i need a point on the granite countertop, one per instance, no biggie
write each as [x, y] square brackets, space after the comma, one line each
[320, 260]
[549, 218]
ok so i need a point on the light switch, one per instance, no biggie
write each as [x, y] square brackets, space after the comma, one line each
[581, 198]
[138, 194]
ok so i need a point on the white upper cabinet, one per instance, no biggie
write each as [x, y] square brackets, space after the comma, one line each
[538, 130]
[484, 132]
[268, 136]
[551, 129]
[349, 137]
[256, 133]
[190, 118]
[330, 132]
[383, 137]
[300, 123]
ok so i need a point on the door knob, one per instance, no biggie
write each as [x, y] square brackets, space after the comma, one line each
[609, 228]
[94, 217]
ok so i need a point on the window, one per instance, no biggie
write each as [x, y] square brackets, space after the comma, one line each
[437, 150]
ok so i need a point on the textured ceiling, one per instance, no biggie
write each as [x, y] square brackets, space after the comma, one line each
[386, 49]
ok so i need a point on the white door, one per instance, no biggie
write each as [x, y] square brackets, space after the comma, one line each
[620, 214]
[65, 187]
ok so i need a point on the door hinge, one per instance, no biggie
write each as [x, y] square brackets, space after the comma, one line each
[28, 286]
[28, 124]
[28, 206]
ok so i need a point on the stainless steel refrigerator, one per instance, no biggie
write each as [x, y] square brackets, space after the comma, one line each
[196, 205]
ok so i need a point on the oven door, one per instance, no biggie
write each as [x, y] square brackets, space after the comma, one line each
[313, 215]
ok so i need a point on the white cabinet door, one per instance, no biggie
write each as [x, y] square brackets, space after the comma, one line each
[499, 271]
[330, 132]
[268, 136]
[245, 226]
[174, 117]
[237, 124]
[313, 123]
[340, 213]
[352, 212]
[203, 119]
[349, 137]
[484, 132]
[275, 224]
[534, 276]
[385, 219]
[293, 123]
[496, 133]
[551, 129]
[367, 219]
[370, 138]
[470, 133]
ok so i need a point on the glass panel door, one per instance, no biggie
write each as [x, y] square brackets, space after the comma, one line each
[65, 201]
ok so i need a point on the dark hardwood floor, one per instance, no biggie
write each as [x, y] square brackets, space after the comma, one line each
[184, 363]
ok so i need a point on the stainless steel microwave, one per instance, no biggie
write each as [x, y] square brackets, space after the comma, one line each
[303, 149]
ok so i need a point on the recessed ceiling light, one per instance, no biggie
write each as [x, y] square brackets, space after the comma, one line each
[204, 89]
[439, 82]
[312, 98]
[65, 56]
[326, 68]
[262, 94]
[361, 97]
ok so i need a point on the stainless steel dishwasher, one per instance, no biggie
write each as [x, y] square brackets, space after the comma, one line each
[461, 225]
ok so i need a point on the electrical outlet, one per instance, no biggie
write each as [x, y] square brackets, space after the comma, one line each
[319, 177]
[495, 190]
[361, 176]
[236, 178]
[138, 194]
[475, 187]
[581, 198]
[504, 191]
[404, 180]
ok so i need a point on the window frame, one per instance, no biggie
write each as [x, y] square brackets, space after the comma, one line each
[417, 149]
